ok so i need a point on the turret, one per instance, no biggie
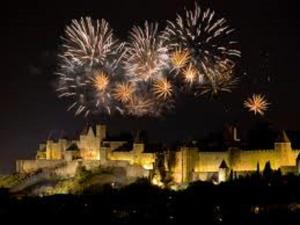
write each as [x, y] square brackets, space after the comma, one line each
[101, 131]
[283, 147]
[139, 142]
[223, 172]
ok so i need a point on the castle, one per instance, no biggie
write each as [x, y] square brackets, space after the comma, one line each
[186, 164]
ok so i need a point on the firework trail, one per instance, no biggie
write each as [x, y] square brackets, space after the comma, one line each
[201, 41]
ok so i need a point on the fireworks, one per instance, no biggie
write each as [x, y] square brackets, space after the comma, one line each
[100, 82]
[123, 92]
[257, 104]
[89, 66]
[206, 39]
[146, 55]
[162, 89]
[141, 77]
[222, 81]
[190, 73]
[89, 42]
[179, 59]
[142, 105]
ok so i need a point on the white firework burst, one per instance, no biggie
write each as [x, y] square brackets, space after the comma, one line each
[89, 65]
[207, 39]
[146, 55]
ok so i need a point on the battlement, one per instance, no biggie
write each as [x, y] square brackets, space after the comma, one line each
[94, 149]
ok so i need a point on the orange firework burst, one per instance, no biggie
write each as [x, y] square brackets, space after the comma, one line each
[180, 58]
[190, 73]
[162, 88]
[257, 104]
[123, 92]
[100, 81]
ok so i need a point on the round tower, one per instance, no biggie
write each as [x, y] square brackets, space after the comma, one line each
[223, 172]
[284, 148]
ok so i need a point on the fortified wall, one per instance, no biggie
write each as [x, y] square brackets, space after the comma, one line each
[93, 149]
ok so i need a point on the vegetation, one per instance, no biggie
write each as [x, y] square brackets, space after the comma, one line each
[267, 198]
[8, 181]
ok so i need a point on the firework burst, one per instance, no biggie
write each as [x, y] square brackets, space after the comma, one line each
[100, 81]
[207, 40]
[89, 42]
[190, 73]
[123, 92]
[100, 74]
[89, 66]
[179, 59]
[141, 105]
[257, 104]
[146, 55]
[221, 79]
[162, 89]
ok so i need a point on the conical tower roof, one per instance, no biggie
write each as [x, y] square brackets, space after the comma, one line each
[223, 165]
[282, 137]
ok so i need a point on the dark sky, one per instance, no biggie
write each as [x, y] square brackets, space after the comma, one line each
[268, 31]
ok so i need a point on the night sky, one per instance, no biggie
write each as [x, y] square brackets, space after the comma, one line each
[268, 32]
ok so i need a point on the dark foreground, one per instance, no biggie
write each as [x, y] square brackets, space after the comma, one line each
[251, 200]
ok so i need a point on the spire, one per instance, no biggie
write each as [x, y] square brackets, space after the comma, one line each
[91, 131]
[223, 165]
[73, 147]
[88, 130]
[282, 137]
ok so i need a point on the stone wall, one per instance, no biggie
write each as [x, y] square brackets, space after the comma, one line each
[210, 161]
[30, 166]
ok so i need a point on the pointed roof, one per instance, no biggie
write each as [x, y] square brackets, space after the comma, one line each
[282, 137]
[223, 165]
[88, 129]
[91, 131]
[73, 147]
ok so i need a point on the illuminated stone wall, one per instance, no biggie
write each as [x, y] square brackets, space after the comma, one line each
[54, 150]
[188, 164]
[191, 165]
[210, 161]
[135, 156]
[29, 166]
[249, 160]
